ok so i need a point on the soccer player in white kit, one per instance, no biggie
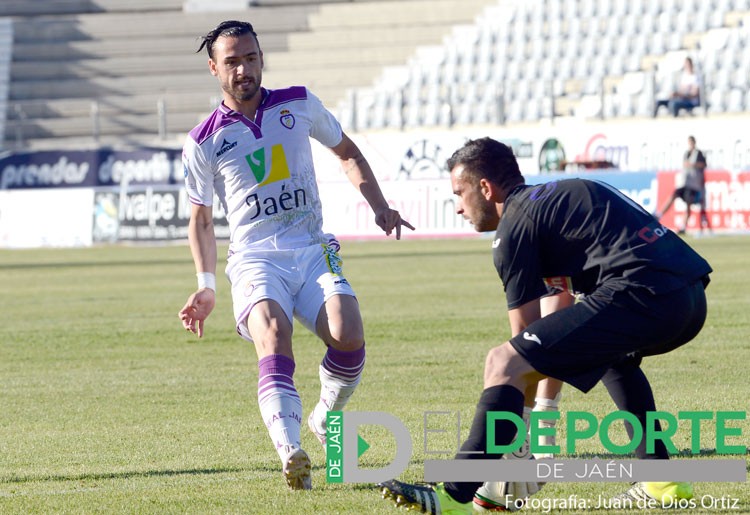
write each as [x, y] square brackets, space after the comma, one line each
[254, 153]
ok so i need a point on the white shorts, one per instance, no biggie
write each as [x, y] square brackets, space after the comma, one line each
[300, 280]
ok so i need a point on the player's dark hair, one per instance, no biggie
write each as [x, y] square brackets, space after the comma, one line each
[228, 28]
[486, 158]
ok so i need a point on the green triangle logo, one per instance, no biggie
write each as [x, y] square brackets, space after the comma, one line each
[362, 446]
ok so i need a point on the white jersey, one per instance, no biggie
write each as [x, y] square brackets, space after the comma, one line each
[689, 84]
[262, 170]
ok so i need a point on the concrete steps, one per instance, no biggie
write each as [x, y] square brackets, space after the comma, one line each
[128, 57]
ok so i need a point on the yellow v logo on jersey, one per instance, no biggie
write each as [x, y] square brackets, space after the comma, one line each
[277, 171]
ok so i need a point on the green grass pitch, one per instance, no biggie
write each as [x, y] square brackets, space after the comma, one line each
[108, 406]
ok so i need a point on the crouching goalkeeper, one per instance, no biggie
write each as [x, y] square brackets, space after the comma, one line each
[642, 290]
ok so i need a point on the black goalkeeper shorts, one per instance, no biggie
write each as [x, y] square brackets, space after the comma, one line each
[579, 344]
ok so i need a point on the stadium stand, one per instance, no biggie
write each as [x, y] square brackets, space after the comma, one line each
[87, 73]
[95, 72]
[6, 46]
[526, 61]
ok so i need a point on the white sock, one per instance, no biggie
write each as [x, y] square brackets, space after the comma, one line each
[340, 373]
[279, 402]
[543, 404]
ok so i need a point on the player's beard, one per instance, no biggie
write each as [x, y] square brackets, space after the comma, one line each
[239, 93]
[485, 219]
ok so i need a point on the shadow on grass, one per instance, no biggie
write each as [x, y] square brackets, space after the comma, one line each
[436, 253]
[187, 260]
[31, 478]
[94, 264]
[120, 475]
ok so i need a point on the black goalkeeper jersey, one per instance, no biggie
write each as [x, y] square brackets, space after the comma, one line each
[577, 235]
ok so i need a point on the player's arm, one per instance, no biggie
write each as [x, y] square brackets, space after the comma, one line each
[521, 317]
[548, 391]
[556, 302]
[202, 238]
[360, 174]
[203, 249]
[544, 395]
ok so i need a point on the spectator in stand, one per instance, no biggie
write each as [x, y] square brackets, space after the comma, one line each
[688, 92]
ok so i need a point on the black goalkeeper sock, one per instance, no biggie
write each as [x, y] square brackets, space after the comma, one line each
[494, 398]
[631, 391]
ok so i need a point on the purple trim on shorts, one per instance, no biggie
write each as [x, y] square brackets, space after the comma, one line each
[243, 317]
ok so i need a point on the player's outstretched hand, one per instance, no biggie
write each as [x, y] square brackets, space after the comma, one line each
[197, 308]
[390, 219]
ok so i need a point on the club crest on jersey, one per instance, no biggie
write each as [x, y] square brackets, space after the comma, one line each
[287, 119]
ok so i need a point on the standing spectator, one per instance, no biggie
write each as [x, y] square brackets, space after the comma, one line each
[690, 186]
[688, 92]
[254, 153]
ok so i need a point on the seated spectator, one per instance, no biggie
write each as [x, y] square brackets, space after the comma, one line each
[688, 92]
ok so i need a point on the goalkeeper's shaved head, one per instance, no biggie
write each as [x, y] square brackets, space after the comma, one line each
[486, 158]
